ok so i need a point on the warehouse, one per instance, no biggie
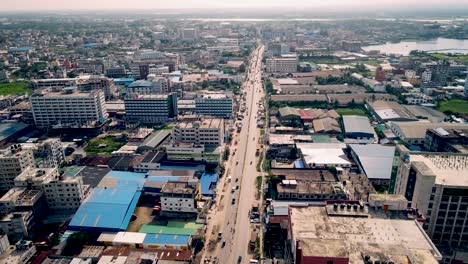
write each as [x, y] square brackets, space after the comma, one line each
[375, 161]
[357, 127]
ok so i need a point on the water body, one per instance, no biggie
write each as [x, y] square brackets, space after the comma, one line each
[439, 45]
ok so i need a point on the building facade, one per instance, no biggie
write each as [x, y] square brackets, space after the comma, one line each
[13, 161]
[207, 132]
[151, 109]
[218, 105]
[282, 65]
[68, 108]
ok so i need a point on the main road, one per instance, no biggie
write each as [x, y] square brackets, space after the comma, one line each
[237, 195]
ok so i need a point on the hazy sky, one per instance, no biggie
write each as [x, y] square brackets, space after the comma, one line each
[38, 5]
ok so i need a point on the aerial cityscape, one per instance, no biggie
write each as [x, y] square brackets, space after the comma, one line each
[218, 132]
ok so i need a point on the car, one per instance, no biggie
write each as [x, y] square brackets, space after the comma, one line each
[239, 259]
[223, 244]
[251, 162]
[233, 201]
[237, 187]
[233, 189]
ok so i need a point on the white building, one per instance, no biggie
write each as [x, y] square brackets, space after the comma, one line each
[13, 161]
[410, 74]
[179, 197]
[214, 104]
[282, 65]
[61, 193]
[426, 76]
[68, 107]
[151, 109]
[51, 153]
[418, 98]
[210, 131]
[160, 84]
[158, 70]
[190, 151]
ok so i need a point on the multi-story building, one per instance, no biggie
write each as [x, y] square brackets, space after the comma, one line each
[188, 33]
[285, 64]
[214, 104]
[440, 71]
[343, 232]
[209, 132]
[426, 76]
[61, 193]
[380, 74]
[151, 109]
[116, 72]
[160, 84]
[436, 186]
[68, 108]
[179, 197]
[13, 161]
[50, 151]
[446, 140]
[192, 152]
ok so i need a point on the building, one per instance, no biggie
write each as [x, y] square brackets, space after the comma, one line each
[446, 140]
[208, 132]
[151, 161]
[51, 153]
[380, 74]
[414, 133]
[61, 193]
[151, 109]
[179, 197]
[350, 232]
[437, 187]
[191, 152]
[386, 111]
[22, 252]
[357, 127]
[13, 161]
[214, 104]
[323, 155]
[68, 107]
[17, 224]
[426, 76]
[440, 71]
[188, 34]
[160, 84]
[282, 65]
[375, 161]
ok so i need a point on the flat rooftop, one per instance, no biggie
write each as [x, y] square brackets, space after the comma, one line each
[354, 237]
[177, 187]
[448, 169]
[204, 124]
[324, 153]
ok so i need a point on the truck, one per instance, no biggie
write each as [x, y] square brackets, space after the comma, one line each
[253, 241]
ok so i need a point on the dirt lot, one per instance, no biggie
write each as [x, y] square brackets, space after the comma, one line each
[144, 216]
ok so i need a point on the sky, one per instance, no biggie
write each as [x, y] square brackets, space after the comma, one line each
[44, 5]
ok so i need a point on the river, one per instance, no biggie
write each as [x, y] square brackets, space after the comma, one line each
[441, 45]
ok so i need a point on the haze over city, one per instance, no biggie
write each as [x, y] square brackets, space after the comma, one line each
[234, 132]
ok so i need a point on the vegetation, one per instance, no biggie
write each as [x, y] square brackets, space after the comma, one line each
[352, 111]
[299, 104]
[259, 186]
[226, 153]
[30, 71]
[14, 88]
[76, 242]
[105, 145]
[267, 165]
[260, 159]
[346, 78]
[457, 106]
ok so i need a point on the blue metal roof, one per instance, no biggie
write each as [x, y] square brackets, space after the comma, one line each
[105, 209]
[207, 182]
[165, 239]
[163, 178]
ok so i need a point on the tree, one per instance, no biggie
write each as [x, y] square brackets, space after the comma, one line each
[76, 242]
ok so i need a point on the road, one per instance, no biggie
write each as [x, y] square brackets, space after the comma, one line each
[232, 217]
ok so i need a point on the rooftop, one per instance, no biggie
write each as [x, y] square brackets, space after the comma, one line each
[324, 153]
[418, 129]
[177, 187]
[396, 240]
[447, 169]
[357, 124]
[375, 160]
[205, 123]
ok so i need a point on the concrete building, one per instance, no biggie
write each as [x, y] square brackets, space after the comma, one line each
[17, 224]
[151, 109]
[414, 133]
[208, 132]
[179, 197]
[68, 107]
[192, 152]
[50, 151]
[160, 84]
[447, 140]
[214, 104]
[343, 233]
[357, 127]
[188, 33]
[282, 65]
[13, 161]
[22, 252]
[61, 193]
[437, 187]
[426, 76]
[323, 155]
[380, 74]
[375, 161]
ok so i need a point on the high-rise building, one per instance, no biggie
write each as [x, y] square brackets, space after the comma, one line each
[436, 186]
[151, 109]
[68, 107]
[50, 151]
[209, 132]
[214, 104]
[13, 161]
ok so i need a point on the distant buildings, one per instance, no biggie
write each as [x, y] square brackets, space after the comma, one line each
[68, 108]
[447, 140]
[285, 64]
[151, 109]
[380, 74]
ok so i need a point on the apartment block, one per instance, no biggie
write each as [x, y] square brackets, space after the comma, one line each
[179, 197]
[285, 64]
[13, 161]
[68, 107]
[209, 132]
[151, 109]
[214, 104]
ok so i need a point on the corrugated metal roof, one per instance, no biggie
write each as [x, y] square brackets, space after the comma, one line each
[357, 124]
[376, 160]
[164, 239]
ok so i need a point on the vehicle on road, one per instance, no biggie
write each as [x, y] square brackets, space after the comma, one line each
[223, 244]
[237, 179]
[253, 261]
[233, 189]
[233, 201]
[237, 162]
[237, 187]
[239, 259]
[253, 240]
[220, 235]
[229, 178]
[251, 162]
[257, 153]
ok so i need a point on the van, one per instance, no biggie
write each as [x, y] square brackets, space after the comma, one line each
[253, 261]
